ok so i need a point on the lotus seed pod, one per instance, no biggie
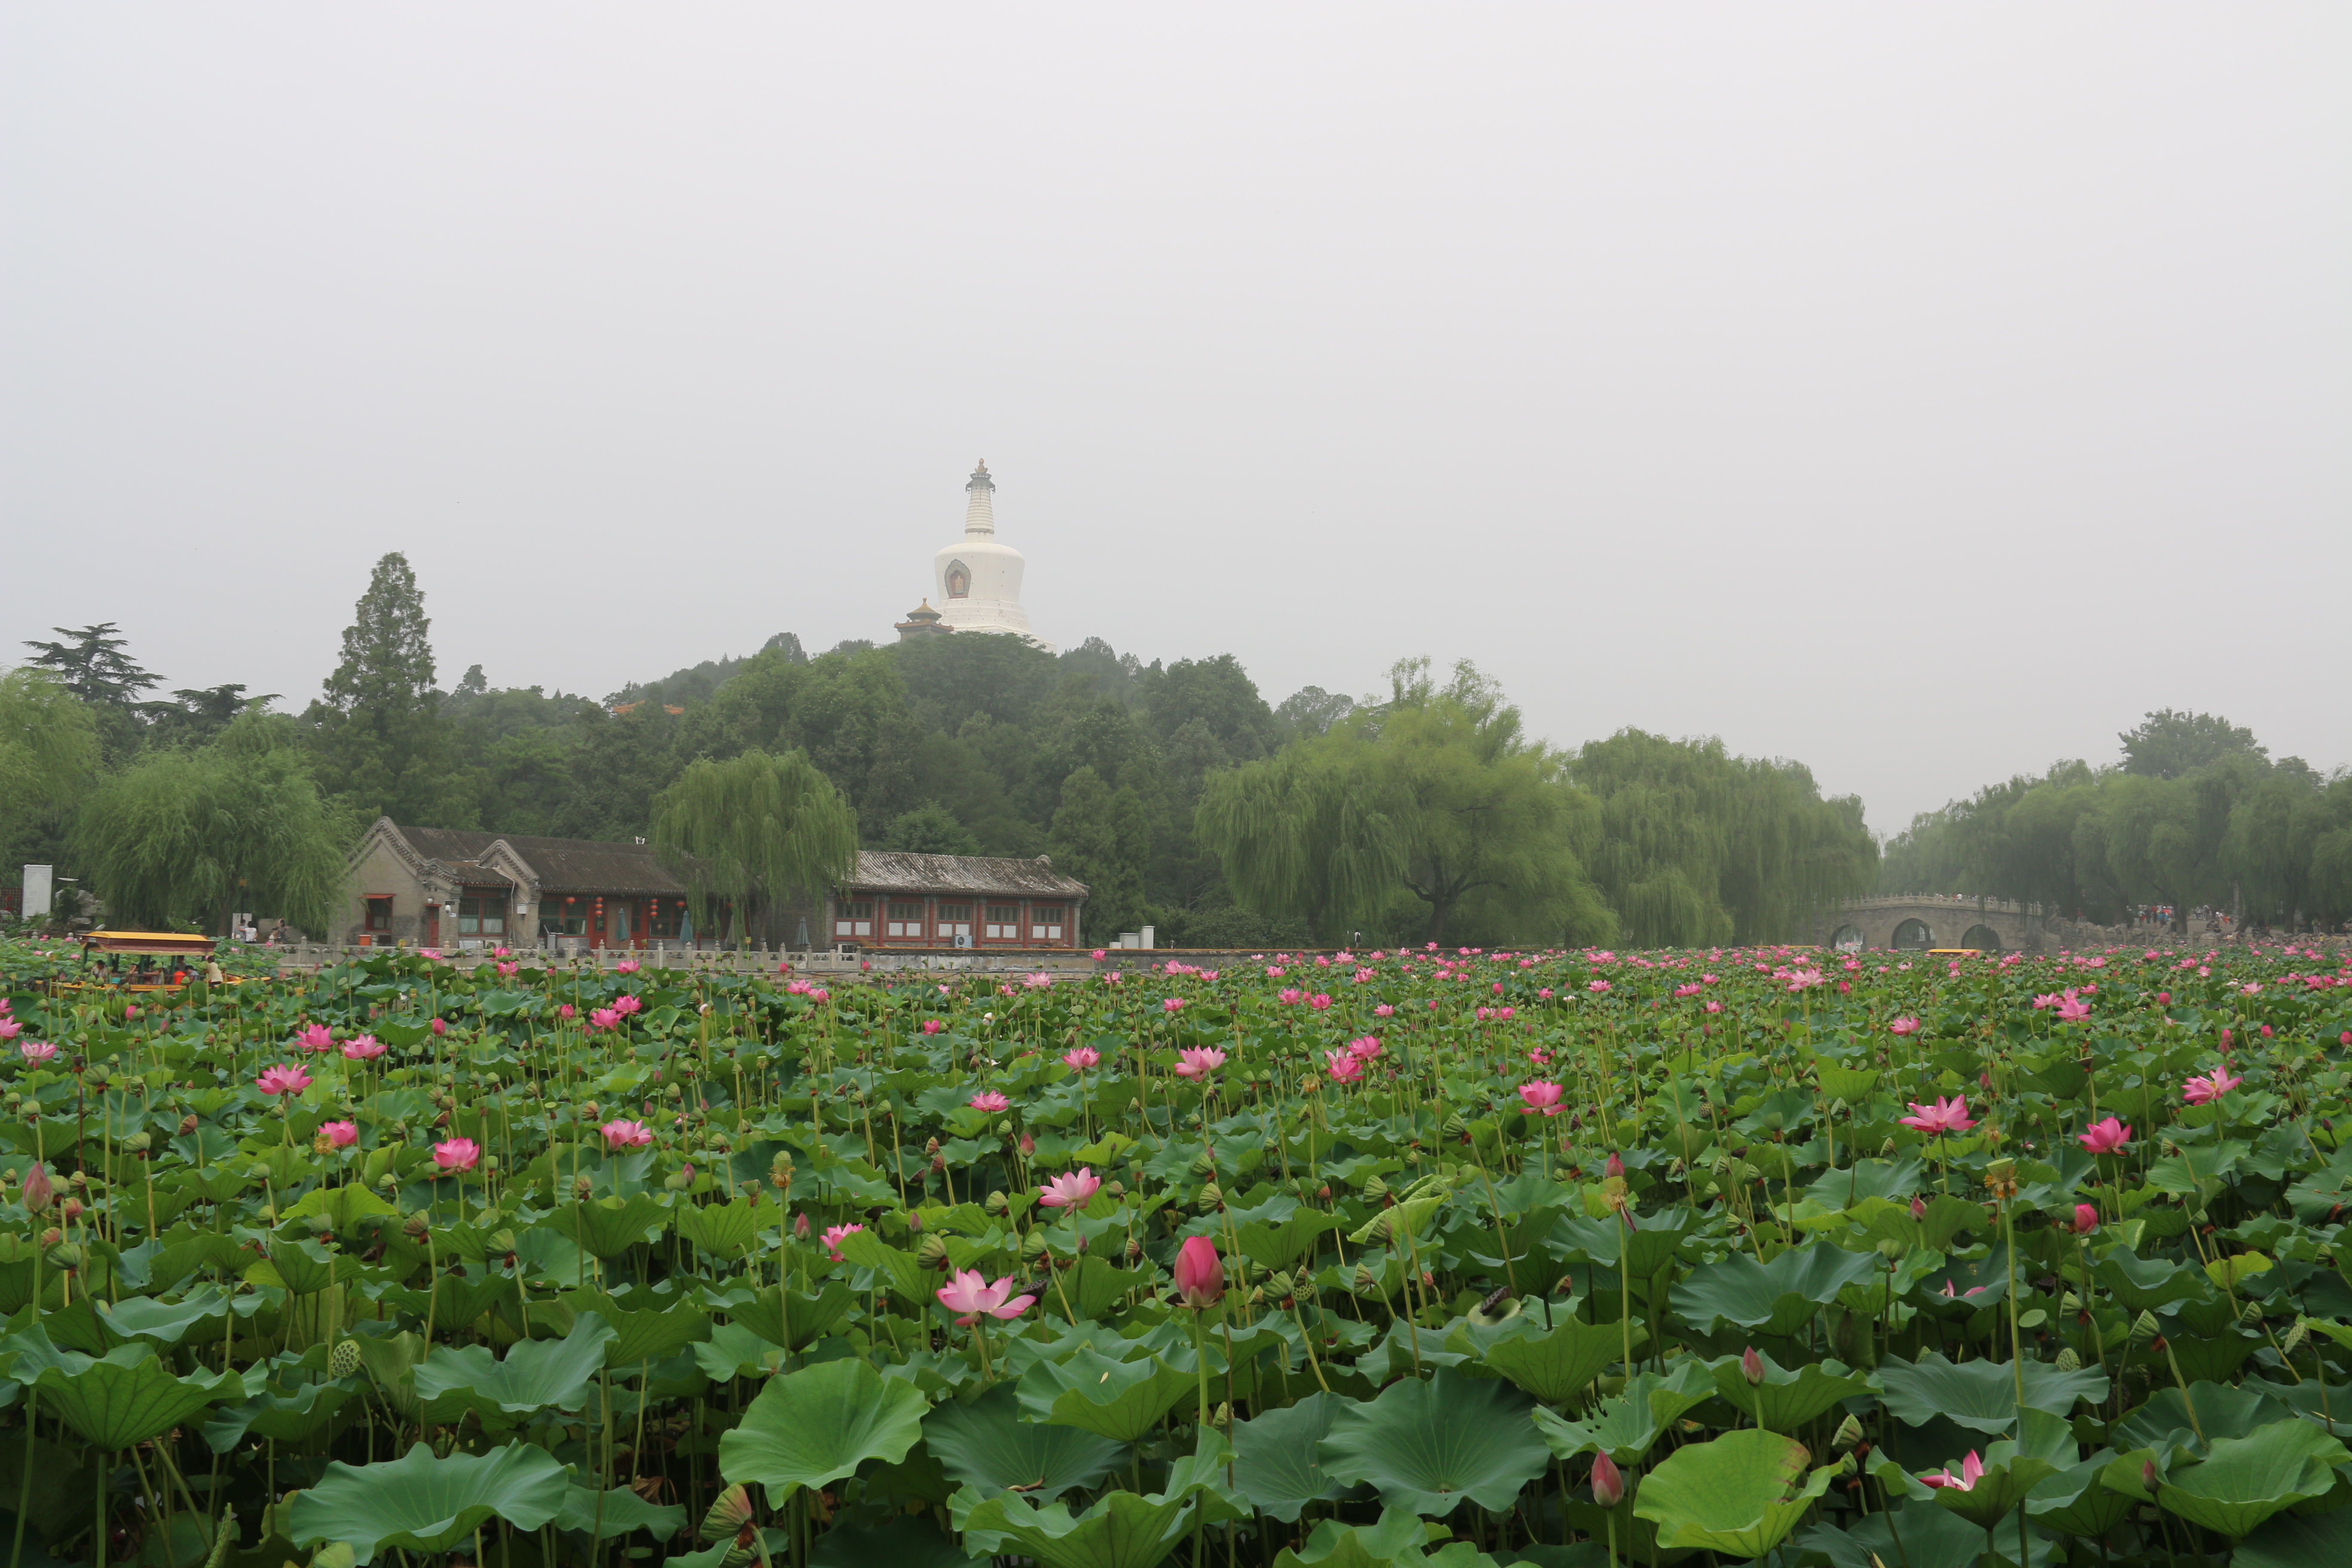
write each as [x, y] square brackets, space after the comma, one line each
[2068, 1360]
[1223, 1416]
[2253, 1315]
[997, 1203]
[2070, 1302]
[1115, 1189]
[1210, 1198]
[2143, 1329]
[1134, 1249]
[1367, 1283]
[1849, 1434]
[931, 1252]
[139, 1142]
[1004, 1129]
[417, 1228]
[1280, 1285]
[2295, 1336]
[676, 1181]
[1374, 1189]
[65, 1257]
[1032, 1246]
[343, 1361]
[1204, 1166]
[581, 1187]
[1454, 1126]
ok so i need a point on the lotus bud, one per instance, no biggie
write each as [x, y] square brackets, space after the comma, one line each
[39, 1194]
[2147, 1475]
[1608, 1482]
[1918, 1208]
[1615, 1169]
[1849, 1435]
[1752, 1365]
[931, 1252]
[2143, 1329]
[801, 1227]
[343, 1361]
[1134, 1249]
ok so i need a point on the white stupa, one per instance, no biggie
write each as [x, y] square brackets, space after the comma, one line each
[978, 580]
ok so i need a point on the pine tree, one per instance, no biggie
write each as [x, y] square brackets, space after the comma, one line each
[384, 748]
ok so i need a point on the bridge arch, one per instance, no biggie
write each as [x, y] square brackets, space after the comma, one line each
[1981, 937]
[1847, 938]
[1913, 935]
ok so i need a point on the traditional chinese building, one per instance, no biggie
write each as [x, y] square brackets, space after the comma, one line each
[452, 888]
[899, 899]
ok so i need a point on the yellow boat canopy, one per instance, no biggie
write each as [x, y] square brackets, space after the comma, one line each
[147, 942]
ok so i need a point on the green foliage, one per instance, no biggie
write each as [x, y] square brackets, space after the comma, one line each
[183, 837]
[421, 1503]
[757, 831]
[818, 1425]
[383, 745]
[1738, 1494]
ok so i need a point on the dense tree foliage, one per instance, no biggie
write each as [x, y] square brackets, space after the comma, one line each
[759, 833]
[2194, 816]
[1175, 791]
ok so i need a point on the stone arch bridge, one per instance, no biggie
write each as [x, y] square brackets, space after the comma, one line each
[1917, 921]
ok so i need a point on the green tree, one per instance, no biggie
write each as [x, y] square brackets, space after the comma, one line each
[1435, 798]
[929, 830]
[1102, 837]
[2168, 744]
[49, 754]
[93, 664]
[759, 832]
[184, 835]
[383, 747]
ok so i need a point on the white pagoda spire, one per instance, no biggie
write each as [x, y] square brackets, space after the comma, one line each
[980, 509]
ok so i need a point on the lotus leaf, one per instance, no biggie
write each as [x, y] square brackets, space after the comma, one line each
[1429, 1446]
[1275, 1462]
[427, 1504]
[820, 1424]
[1737, 1494]
[1981, 1394]
[536, 1375]
[986, 1445]
[1776, 1297]
[1119, 1400]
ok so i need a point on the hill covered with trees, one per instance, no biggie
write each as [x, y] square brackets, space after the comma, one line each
[1176, 790]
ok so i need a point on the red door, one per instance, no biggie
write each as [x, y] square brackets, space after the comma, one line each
[432, 925]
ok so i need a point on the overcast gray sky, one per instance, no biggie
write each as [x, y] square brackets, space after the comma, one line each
[1921, 392]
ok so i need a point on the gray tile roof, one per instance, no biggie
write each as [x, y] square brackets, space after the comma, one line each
[563, 865]
[894, 871]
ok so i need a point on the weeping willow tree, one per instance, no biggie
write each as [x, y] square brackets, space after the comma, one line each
[49, 750]
[1698, 846]
[754, 832]
[183, 837]
[1432, 814]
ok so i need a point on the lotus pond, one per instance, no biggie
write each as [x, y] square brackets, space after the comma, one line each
[1452, 1257]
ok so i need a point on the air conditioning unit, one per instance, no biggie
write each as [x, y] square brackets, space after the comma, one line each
[963, 942]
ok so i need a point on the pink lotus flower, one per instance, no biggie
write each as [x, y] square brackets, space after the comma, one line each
[2208, 1087]
[366, 1048]
[1200, 1273]
[1541, 1095]
[340, 1134]
[440, 1026]
[1364, 1049]
[314, 1038]
[456, 1154]
[833, 1235]
[2086, 1219]
[2073, 1009]
[1972, 1471]
[1943, 1118]
[627, 966]
[1344, 1067]
[35, 1051]
[1079, 1058]
[933, 1025]
[1070, 1190]
[1385, 1011]
[1172, 1003]
[1715, 1006]
[623, 1134]
[1905, 1026]
[9, 1028]
[282, 1080]
[2106, 1136]
[627, 1004]
[604, 1019]
[1596, 986]
[969, 1294]
[506, 969]
[1199, 1061]
[989, 1100]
